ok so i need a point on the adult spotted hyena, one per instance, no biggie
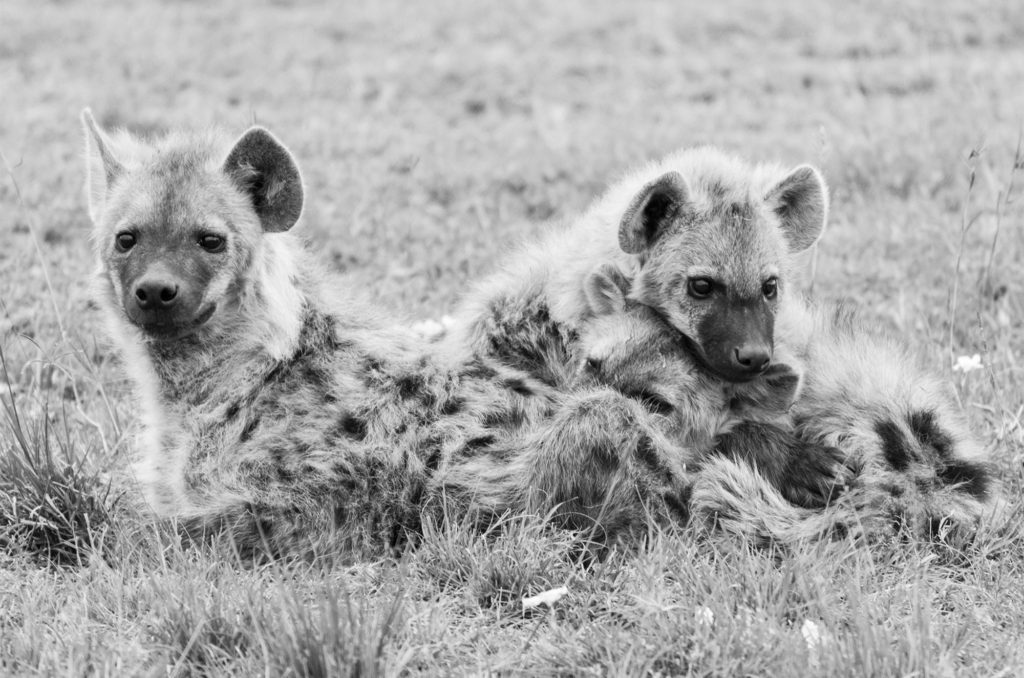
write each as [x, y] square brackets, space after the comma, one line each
[274, 404]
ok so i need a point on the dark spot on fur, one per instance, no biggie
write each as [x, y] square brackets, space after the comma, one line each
[477, 369]
[250, 428]
[479, 442]
[893, 489]
[410, 385]
[605, 458]
[974, 479]
[433, 460]
[651, 401]
[452, 406]
[232, 411]
[678, 506]
[926, 429]
[517, 385]
[646, 454]
[339, 515]
[352, 426]
[509, 418]
[274, 375]
[371, 364]
[894, 445]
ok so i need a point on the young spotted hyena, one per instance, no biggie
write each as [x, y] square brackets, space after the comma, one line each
[635, 423]
[707, 242]
[273, 406]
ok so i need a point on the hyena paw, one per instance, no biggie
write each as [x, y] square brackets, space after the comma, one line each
[769, 395]
[815, 475]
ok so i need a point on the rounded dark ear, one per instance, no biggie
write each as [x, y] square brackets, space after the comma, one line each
[606, 290]
[651, 210]
[263, 168]
[801, 201]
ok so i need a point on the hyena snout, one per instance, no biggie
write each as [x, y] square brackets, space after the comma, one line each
[752, 357]
[156, 294]
[164, 304]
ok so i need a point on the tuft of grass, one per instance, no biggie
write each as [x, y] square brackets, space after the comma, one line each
[54, 505]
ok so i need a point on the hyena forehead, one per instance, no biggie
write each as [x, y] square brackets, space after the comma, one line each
[738, 245]
[181, 186]
[701, 208]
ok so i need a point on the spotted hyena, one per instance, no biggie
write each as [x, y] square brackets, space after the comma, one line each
[707, 243]
[275, 403]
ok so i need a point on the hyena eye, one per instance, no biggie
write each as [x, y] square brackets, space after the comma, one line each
[594, 364]
[700, 288]
[212, 243]
[124, 241]
[770, 288]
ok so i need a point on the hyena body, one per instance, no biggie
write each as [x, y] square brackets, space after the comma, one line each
[272, 406]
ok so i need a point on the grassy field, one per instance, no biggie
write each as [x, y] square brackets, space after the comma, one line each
[434, 136]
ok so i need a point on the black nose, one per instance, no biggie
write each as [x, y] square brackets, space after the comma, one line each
[155, 295]
[752, 357]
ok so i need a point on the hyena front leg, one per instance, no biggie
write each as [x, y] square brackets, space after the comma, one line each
[806, 472]
[602, 464]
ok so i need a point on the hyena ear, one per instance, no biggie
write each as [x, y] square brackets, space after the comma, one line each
[606, 290]
[102, 167]
[265, 170]
[801, 201]
[651, 210]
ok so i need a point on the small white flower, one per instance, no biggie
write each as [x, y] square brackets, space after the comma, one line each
[812, 634]
[549, 598]
[704, 615]
[967, 364]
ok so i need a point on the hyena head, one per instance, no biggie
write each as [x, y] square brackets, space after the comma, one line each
[630, 347]
[714, 252]
[178, 223]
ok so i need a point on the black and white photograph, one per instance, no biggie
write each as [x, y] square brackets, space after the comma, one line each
[523, 338]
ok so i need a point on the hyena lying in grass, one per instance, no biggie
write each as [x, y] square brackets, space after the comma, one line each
[707, 242]
[273, 407]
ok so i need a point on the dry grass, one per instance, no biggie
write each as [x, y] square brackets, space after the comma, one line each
[434, 136]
